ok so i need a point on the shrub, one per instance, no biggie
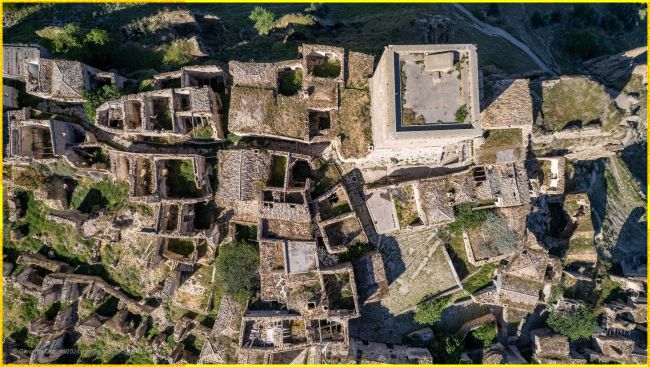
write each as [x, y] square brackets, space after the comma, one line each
[466, 218]
[236, 269]
[97, 97]
[328, 69]
[264, 20]
[429, 313]
[583, 44]
[485, 334]
[505, 238]
[461, 113]
[574, 325]
[177, 54]
[97, 36]
[290, 82]
[446, 348]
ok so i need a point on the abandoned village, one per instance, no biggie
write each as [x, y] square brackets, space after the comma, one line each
[335, 208]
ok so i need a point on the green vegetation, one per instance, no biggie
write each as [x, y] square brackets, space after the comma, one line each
[405, 208]
[202, 133]
[278, 170]
[264, 20]
[90, 196]
[486, 334]
[356, 251]
[20, 308]
[577, 101]
[466, 218]
[355, 131]
[327, 69]
[290, 82]
[181, 180]
[236, 269]
[584, 44]
[29, 178]
[480, 279]
[183, 247]
[574, 325]
[430, 313]
[497, 140]
[556, 292]
[177, 53]
[461, 114]
[97, 97]
[445, 348]
[233, 138]
[294, 18]
[73, 42]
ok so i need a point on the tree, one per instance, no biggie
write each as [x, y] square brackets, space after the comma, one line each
[264, 20]
[485, 334]
[97, 36]
[429, 313]
[466, 218]
[236, 269]
[537, 20]
[574, 325]
[583, 44]
[446, 348]
[96, 98]
[66, 41]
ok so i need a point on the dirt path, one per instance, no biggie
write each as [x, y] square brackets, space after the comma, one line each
[498, 32]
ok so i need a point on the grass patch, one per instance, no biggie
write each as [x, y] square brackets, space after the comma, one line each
[355, 131]
[181, 180]
[177, 53]
[202, 133]
[92, 196]
[480, 279]
[290, 82]
[278, 171]
[180, 246]
[327, 69]
[497, 140]
[578, 101]
[466, 218]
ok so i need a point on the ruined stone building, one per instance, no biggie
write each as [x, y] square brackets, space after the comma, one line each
[193, 76]
[42, 140]
[160, 177]
[295, 100]
[55, 79]
[191, 112]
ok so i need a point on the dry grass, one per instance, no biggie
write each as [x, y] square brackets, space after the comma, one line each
[578, 101]
[354, 123]
[360, 67]
[497, 140]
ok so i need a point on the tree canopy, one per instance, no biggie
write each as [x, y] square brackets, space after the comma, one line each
[574, 325]
[429, 313]
[264, 20]
[237, 269]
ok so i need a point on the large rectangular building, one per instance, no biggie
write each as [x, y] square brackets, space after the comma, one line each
[425, 96]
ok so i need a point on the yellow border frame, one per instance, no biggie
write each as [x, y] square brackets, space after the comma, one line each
[271, 2]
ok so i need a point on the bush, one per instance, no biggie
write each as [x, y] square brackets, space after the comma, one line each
[583, 44]
[264, 20]
[505, 238]
[290, 82]
[177, 54]
[574, 325]
[466, 218]
[429, 313]
[236, 269]
[461, 114]
[446, 348]
[97, 97]
[485, 334]
[537, 20]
